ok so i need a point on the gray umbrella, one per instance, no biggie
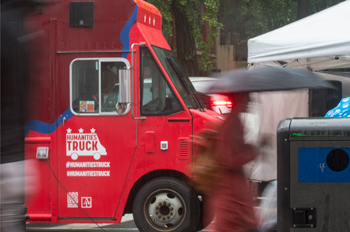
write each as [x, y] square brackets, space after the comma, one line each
[266, 78]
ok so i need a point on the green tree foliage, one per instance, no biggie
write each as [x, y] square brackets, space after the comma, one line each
[250, 18]
[197, 13]
[318, 5]
[242, 19]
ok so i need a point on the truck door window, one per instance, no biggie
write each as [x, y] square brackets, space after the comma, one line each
[157, 97]
[95, 86]
[179, 78]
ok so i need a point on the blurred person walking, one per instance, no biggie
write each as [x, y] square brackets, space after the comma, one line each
[14, 71]
[232, 197]
[13, 111]
[13, 85]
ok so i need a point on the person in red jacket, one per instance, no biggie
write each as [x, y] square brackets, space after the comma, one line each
[232, 197]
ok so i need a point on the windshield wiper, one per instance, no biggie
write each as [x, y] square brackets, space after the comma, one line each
[182, 79]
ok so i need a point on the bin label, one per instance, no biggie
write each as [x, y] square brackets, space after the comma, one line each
[320, 165]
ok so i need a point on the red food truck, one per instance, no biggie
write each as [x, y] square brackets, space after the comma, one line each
[111, 118]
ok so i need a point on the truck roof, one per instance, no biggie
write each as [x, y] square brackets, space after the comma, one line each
[102, 25]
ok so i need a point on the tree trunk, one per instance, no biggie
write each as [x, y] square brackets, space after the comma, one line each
[185, 43]
[303, 8]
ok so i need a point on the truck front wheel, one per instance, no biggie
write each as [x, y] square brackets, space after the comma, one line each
[166, 204]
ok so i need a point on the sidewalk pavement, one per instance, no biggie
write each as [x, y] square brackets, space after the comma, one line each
[127, 224]
[81, 227]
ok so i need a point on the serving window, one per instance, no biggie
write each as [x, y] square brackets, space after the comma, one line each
[95, 85]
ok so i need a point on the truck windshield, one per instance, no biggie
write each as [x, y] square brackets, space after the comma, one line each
[179, 78]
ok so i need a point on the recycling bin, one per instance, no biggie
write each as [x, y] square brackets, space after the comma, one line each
[313, 174]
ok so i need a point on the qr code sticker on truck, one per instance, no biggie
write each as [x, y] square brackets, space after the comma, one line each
[72, 200]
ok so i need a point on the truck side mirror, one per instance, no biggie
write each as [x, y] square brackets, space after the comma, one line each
[123, 106]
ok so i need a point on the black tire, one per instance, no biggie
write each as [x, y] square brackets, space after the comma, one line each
[173, 203]
[201, 223]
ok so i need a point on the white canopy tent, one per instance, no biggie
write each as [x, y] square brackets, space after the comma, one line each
[320, 41]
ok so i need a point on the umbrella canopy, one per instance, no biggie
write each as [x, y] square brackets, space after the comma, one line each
[342, 110]
[266, 78]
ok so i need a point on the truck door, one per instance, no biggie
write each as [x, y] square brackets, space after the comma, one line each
[95, 143]
[167, 125]
[165, 150]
